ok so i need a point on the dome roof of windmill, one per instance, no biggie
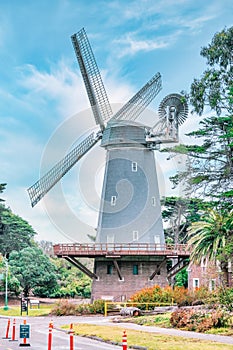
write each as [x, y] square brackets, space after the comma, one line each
[123, 133]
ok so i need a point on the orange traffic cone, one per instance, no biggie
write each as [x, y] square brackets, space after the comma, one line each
[124, 341]
[71, 332]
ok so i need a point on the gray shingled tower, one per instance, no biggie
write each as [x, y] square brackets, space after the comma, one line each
[130, 203]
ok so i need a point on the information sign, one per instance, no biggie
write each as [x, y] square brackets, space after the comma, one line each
[24, 331]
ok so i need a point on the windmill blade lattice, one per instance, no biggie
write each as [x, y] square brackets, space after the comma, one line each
[95, 88]
[136, 105]
[179, 103]
[42, 186]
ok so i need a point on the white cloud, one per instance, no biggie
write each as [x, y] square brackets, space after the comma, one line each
[61, 85]
[175, 13]
[143, 9]
[162, 23]
[64, 87]
[194, 24]
[133, 46]
[118, 92]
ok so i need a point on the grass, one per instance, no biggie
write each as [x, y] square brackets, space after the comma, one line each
[44, 310]
[162, 320]
[221, 331]
[150, 340]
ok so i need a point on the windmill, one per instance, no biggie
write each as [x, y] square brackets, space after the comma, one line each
[130, 203]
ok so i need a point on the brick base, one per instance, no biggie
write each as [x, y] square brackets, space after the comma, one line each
[135, 273]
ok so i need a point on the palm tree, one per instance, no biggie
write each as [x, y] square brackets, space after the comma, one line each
[211, 238]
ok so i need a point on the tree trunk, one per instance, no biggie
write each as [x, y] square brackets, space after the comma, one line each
[225, 275]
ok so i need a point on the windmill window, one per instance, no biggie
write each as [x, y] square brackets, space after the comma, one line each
[153, 201]
[135, 235]
[135, 269]
[113, 200]
[110, 238]
[134, 166]
[109, 269]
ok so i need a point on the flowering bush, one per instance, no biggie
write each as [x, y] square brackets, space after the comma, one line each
[199, 320]
[64, 308]
[179, 295]
[154, 294]
[183, 318]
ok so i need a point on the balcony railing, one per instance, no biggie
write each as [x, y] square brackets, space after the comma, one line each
[119, 249]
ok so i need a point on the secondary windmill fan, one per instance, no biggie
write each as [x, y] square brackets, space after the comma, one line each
[130, 205]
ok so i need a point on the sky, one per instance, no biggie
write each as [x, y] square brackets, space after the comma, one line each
[44, 110]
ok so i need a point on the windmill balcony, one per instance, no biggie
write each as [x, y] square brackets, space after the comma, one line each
[119, 250]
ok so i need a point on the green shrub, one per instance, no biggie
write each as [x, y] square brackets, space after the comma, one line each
[226, 298]
[98, 306]
[65, 308]
[82, 309]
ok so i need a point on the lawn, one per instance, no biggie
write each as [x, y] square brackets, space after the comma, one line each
[43, 310]
[149, 340]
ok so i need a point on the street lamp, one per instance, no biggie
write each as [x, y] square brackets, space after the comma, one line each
[6, 287]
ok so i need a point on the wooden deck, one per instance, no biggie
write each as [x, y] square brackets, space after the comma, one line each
[93, 250]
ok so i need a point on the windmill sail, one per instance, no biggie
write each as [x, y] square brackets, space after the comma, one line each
[136, 105]
[95, 89]
[42, 186]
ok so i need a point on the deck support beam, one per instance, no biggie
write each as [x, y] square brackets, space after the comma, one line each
[157, 270]
[81, 267]
[182, 262]
[117, 269]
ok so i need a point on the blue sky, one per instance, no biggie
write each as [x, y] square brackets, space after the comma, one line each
[44, 108]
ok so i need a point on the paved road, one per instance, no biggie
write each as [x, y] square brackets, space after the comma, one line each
[39, 333]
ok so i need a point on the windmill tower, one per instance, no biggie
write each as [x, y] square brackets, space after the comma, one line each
[130, 238]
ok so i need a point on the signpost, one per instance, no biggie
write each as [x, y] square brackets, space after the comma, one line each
[24, 305]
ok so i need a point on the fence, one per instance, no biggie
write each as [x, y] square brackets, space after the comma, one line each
[125, 304]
